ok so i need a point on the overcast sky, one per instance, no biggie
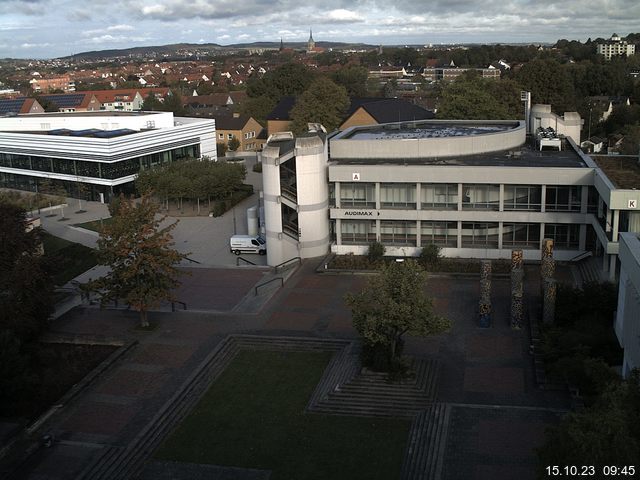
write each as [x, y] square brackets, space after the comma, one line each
[52, 28]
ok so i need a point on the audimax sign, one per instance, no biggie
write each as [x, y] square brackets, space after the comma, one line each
[360, 213]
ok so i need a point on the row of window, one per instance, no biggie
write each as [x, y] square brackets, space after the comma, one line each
[83, 168]
[445, 234]
[444, 196]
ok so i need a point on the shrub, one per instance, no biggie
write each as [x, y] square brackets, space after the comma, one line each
[375, 252]
[257, 167]
[429, 256]
[114, 206]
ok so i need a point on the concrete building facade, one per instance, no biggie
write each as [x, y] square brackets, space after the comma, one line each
[627, 322]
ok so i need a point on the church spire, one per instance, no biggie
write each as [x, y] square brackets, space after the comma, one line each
[311, 44]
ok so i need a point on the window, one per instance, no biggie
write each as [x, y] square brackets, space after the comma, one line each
[480, 235]
[358, 232]
[439, 196]
[521, 235]
[480, 197]
[565, 236]
[397, 232]
[522, 197]
[221, 136]
[398, 195]
[358, 195]
[563, 198]
[229, 136]
[443, 234]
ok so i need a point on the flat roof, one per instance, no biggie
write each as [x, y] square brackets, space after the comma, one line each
[524, 156]
[410, 130]
[623, 171]
[96, 113]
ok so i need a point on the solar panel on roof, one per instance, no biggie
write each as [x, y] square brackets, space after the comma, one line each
[11, 105]
[88, 132]
[65, 101]
[113, 133]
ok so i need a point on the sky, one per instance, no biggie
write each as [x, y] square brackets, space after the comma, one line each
[55, 28]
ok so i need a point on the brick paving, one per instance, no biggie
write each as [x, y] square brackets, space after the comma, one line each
[478, 366]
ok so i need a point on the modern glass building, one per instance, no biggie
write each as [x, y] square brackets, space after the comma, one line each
[96, 154]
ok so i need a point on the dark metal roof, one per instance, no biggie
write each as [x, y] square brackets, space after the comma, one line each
[13, 105]
[282, 110]
[69, 100]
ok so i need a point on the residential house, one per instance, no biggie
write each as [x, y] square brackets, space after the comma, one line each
[73, 102]
[246, 129]
[375, 111]
[615, 47]
[119, 100]
[63, 82]
[20, 105]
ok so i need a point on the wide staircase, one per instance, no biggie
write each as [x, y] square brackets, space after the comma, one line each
[589, 270]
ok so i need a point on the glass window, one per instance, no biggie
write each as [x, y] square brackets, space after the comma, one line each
[398, 232]
[521, 235]
[358, 232]
[563, 198]
[358, 195]
[565, 236]
[522, 197]
[480, 197]
[398, 195]
[443, 234]
[439, 196]
[87, 169]
[42, 164]
[480, 235]
[62, 165]
[121, 169]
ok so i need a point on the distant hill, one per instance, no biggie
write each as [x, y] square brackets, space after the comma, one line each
[204, 48]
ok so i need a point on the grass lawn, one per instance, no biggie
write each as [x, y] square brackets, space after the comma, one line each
[69, 259]
[94, 225]
[252, 417]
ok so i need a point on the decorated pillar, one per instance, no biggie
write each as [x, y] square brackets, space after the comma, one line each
[484, 306]
[517, 289]
[549, 301]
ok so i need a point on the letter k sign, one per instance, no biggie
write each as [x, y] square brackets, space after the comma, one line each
[632, 204]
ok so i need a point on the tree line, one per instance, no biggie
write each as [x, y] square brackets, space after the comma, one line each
[193, 180]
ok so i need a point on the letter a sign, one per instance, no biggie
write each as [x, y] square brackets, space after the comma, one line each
[355, 177]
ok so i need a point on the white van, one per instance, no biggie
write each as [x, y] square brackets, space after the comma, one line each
[247, 243]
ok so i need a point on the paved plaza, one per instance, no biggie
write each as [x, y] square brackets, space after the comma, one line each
[496, 414]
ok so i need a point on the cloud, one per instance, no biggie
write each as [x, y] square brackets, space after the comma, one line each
[109, 29]
[342, 15]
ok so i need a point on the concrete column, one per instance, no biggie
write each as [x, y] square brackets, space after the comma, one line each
[501, 206]
[500, 228]
[418, 236]
[542, 237]
[582, 239]
[543, 200]
[378, 237]
[616, 225]
[605, 262]
[612, 267]
[459, 241]
[584, 199]
[608, 222]
[418, 196]
[336, 192]
[338, 231]
[377, 196]
[460, 191]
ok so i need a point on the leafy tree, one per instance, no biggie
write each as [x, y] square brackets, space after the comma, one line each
[151, 103]
[234, 144]
[354, 79]
[258, 108]
[393, 304]
[607, 433]
[26, 287]
[173, 103]
[430, 255]
[323, 102]
[221, 149]
[549, 83]
[287, 79]
[141, 258]
[470, 97]
[375, 253]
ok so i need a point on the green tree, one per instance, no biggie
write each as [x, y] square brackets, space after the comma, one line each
[221, 149]
[26, 287]
[354, 79]
[470, 97]
[323, 102]
[549, 83]
[607, 433]
[393, 304]
[287, 79]
[141, 258]
[234, 144]
[151, 103]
